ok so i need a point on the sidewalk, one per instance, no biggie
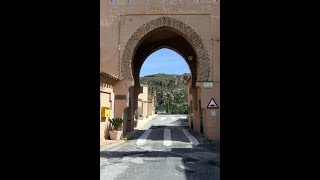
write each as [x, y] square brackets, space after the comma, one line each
[107, 143]
[144, 121]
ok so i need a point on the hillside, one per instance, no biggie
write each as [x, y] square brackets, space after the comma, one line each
[171, 91]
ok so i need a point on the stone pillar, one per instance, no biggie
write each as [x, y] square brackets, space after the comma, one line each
[195, 110]
[134, 91]
[212, 123]
[121, 105]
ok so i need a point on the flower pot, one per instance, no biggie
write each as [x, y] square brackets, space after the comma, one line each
[115, 135]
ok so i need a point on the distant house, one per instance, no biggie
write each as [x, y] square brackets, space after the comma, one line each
[146, 102]
[152, 99]
[143, 102]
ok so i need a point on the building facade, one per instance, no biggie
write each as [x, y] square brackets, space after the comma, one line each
[143, 102]
[152, 103]
[107, 102]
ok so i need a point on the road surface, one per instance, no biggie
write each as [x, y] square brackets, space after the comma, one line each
[165, 149]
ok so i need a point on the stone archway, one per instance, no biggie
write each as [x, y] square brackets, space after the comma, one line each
[136, 50]
[183, 29]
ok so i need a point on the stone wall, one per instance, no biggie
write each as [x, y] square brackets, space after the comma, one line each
[122, 25]
[120, 20]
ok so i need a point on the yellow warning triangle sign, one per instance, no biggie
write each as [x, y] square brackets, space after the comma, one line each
[212, 104]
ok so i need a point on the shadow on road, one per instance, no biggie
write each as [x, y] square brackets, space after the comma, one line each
[199, 162]
[193, 167]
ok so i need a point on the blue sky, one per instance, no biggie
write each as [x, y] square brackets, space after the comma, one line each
[164, 61]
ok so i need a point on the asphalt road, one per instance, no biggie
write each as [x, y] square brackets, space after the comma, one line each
[165, 149]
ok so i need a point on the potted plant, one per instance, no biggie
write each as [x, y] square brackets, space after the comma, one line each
[116, 132]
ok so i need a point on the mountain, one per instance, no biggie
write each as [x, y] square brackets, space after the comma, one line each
[171, 91]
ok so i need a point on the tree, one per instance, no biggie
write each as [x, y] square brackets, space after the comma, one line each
[168, 98]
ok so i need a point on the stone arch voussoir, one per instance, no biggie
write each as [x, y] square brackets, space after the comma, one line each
[184, 30]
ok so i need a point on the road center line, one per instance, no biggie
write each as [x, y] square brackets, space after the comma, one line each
[167, 137]
[142, 139]
[192, 139]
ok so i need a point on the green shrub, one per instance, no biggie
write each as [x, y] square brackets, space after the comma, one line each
[116, 123]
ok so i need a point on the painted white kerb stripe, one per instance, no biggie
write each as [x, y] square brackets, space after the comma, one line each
[167, 137]
[142, 139]
[192, 139]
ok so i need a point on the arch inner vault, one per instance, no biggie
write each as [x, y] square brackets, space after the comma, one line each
[162, 32]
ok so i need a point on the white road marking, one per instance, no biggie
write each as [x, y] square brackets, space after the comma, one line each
[192, 139]
[184, 167]
[167, 137]
[142, 139]
[162, 118]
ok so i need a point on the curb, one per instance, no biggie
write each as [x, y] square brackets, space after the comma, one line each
[147, 121]
[126, 137]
